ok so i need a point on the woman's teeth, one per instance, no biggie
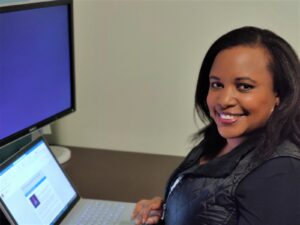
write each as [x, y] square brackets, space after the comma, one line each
[227, 116]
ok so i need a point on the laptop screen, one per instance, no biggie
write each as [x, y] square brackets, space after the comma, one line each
[33, 187]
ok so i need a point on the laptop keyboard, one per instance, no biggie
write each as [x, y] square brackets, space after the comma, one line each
[101, 213]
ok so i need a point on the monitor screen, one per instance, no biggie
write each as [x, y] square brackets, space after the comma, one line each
[36, 66]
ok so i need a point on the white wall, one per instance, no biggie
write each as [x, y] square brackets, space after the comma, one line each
[137, 64]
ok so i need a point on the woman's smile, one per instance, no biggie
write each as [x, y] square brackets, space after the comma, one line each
[228, 118]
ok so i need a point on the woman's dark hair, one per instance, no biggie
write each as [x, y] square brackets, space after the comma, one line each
[284, 123]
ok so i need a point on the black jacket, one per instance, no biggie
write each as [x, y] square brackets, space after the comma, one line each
[206, 194]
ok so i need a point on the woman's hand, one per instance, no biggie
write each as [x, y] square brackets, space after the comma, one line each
[148, 211]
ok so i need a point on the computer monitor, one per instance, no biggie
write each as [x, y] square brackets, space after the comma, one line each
[37, 84]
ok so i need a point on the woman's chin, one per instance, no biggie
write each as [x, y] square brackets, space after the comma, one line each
[231, 134]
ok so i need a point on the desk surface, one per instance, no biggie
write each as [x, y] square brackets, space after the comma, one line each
[120, 176]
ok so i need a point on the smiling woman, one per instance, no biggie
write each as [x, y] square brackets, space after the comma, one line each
[247, 166]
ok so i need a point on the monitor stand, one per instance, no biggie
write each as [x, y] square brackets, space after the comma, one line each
[62, 154]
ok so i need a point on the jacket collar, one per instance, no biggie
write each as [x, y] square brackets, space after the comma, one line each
[224, 165]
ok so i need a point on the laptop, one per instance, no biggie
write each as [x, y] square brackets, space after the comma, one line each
[34, 190]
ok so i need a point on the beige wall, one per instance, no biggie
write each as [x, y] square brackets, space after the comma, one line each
[137, 63]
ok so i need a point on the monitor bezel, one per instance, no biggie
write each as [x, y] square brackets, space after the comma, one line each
[33, 5]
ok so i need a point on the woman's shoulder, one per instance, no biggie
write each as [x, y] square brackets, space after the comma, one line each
[285, 159]
[273, 171]
[287, 148]
[283, 163]
[263, 192]
[277, 166]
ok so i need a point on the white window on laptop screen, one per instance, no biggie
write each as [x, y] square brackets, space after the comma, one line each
[34, 188]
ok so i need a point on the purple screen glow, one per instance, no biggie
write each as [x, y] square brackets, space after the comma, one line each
[35, 71]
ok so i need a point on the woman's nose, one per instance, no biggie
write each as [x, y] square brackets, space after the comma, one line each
[227, 97]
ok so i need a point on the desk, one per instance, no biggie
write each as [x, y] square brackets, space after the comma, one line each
[120, 176]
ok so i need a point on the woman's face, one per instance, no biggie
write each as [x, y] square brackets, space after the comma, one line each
[241, 96]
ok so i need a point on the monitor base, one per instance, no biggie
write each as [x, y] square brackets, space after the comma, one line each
[62, 154]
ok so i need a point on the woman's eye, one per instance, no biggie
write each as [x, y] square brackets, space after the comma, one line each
[245, 87]
[216, 85]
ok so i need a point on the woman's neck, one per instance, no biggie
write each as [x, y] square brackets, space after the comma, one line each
[230, 145]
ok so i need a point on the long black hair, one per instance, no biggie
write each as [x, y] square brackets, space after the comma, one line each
[284, 123]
